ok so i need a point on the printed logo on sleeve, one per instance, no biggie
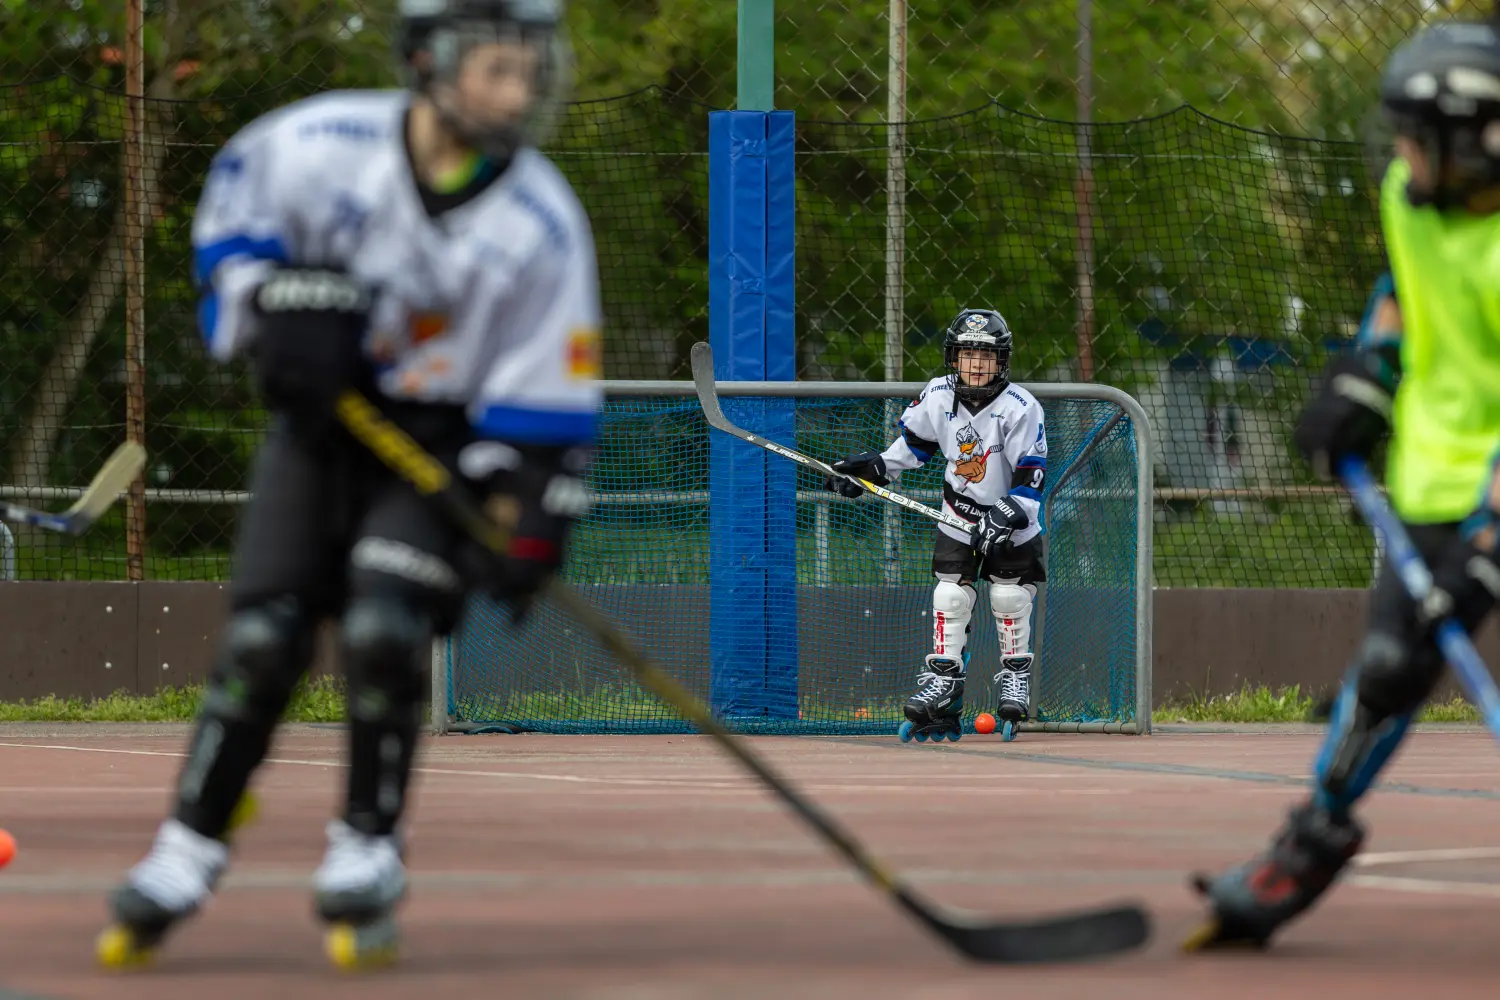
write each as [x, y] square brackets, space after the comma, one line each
[584, 359]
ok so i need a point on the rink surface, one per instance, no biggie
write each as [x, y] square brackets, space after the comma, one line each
[650, 867]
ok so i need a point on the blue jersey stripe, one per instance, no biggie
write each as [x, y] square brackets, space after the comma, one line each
[528, 426]
[207, 258]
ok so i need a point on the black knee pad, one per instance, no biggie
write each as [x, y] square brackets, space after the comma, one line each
[1395, 675]
[383, 642]
[265, 651]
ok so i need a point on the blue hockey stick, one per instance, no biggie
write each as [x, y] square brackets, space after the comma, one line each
[1457, 648]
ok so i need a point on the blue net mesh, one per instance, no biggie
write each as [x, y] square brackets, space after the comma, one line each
[820, 632]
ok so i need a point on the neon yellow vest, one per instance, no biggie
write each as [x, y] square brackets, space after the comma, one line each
[1446, 421]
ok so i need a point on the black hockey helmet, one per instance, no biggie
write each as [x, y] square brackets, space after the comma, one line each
[978, 329]
[1441, 90]
[446, 30]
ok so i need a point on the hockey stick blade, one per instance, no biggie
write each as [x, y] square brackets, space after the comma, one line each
[112, 479]
[702, 357]
[1069, 938]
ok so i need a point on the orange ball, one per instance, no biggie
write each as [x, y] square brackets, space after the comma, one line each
[7, 848]
[984, 723]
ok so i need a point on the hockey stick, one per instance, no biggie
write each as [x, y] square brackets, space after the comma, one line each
[118, 472]
[708, 398]
[1454, 642]
[1068, 938]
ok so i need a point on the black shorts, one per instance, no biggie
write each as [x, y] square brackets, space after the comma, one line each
[314, 500]
[1025, 561]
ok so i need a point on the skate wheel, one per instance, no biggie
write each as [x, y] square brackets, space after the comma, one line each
[956, 735]
[1203, 938]
[1214, 936]
[922, 736]
[245, 812]
[119, 948]
[905, 732]
[1008, 731]
[368, 946]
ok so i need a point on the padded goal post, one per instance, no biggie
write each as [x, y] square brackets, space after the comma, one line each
[642, 556]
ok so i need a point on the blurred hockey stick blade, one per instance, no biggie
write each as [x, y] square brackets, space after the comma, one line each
[1067, 938]
[1456, 646]
[114, 478]
[708, 398]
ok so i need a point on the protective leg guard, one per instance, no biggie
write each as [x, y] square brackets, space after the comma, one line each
[383, 641]
[265, 652]
[1251, 902]
[1011, 604]
[952, 619]
[1370, 718]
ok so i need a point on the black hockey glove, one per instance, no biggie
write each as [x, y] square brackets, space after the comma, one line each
[308, 347]
[1352, 410]
[866, 465]
[994, 529]
[1465, 580]
[535, 493]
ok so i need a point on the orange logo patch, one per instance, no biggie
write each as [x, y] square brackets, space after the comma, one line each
[583, 354]
[426, 325]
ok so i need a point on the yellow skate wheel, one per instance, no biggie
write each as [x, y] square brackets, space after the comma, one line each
[117, 948]
[354, 948]
[1202, 938]
[244, 813]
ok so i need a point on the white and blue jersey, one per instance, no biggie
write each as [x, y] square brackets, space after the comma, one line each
[997, 450]
[492, 304]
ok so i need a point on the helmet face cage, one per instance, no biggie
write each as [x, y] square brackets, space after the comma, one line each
[978, 329]
[1441, 92]
[448, 30]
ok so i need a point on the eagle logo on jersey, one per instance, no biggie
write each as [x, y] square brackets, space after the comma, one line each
[972, 462]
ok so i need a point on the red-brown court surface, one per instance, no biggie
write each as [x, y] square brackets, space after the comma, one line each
[650, 867]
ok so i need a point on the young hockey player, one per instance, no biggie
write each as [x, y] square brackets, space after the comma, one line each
[992, 434]
[414, 245]
[1439, 202]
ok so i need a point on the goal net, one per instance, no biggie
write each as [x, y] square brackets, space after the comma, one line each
[815, 613]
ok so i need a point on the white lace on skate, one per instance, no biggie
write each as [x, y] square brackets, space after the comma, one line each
[181, 869]
[933, 687]
[1014, 686]
[357, 861]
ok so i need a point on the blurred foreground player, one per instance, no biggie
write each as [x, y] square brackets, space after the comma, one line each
[1439, 199]
[992, 434]
[414, 245]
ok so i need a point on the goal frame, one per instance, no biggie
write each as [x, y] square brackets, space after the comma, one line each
[1128, 406]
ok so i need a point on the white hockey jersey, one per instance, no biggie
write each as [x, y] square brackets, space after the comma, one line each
[1000, 450]
[493, 304]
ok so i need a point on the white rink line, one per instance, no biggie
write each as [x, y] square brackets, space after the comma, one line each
[1376, 859]
[687, 784]
[1426, 886]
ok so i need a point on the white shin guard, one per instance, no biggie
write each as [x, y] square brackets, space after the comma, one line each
[952, 611]
[1011, 602]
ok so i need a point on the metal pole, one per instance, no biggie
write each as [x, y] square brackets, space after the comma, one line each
[895, 255]
[756, 54]
[136, 223]
[438, 703]
[1083, 191]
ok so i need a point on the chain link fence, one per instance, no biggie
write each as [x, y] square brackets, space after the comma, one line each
[1204, 258]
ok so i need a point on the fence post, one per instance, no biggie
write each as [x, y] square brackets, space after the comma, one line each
[753, 495]
[137, 221]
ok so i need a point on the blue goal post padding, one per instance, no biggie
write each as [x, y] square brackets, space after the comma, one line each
[752, 494]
